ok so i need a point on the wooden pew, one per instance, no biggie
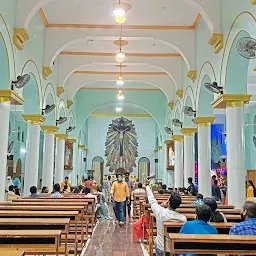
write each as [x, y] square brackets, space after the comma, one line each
[174, 227]
[220, 206]
[224, 211]
[72, 215]
[36, 224]
[32, 241]
[212, 244]
[11, 252]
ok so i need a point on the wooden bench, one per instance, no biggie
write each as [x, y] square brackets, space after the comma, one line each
[11, 252]
[224, 211]
[33, 241]
[174, 227]
[36, 224]
[212, 244]
[72, 215]
[220, 206]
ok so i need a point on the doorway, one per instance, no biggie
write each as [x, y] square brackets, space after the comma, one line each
[144, 169]
[98, 167]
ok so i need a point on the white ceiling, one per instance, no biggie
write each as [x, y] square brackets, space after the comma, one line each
[128, 108]
[143, 12]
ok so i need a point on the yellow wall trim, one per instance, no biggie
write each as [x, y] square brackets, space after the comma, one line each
[49, 129]
[61, 136]
[69, 103]
[46, 72]
[178, 138]
[171, 105]
[192, 74]
[71, 140]
[179, 93]
[204, 120]
[33, 118]
[189, 131]
[80, 146]
[10, 96]
[216, 41]
[20, 35]
[60, 90]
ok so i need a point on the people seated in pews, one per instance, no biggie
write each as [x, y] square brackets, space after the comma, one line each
[33, 192]
[66, 184]
[16, 190]
[138, 232]
[88, 194]
[11, 194]
[191, 188]
[44, 190]
[216, 190]
[199, 199]
[66, 189]
[163, 190]
[216, 215]
[56, 191]
[8, 183]
[104, 212]
[88, 182]
[183, 191]
[163, 214]
[139, 192]
[16, 180]
[81, 188]
[200, 225]
[76, 193]
[248, 225]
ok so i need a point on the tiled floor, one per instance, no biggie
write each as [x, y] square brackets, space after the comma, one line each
[111, 240]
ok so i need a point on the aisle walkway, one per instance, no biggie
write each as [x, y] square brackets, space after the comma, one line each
[110, 240]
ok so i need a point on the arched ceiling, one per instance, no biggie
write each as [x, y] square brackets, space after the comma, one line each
[159, 36]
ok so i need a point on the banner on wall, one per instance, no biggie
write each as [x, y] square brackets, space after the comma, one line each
[170, 154]
[68, 160]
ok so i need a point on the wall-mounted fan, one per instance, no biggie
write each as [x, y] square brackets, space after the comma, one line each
[176, 122]
[20, 82]
[61, 120]
[168, 130]
[70, 129]
[246, 47]
[10, 147]
[189, 111]
[214, 88]
[48, 109]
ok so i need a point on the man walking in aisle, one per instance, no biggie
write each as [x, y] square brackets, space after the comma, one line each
[119, 193]
[106, 185]
[130, 187]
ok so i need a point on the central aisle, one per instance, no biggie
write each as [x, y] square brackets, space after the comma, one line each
[111, 240]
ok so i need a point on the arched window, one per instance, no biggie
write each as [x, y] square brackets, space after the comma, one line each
[144, 169]
[19, 134]
[22, 136]
[254, 127]
[98, 167]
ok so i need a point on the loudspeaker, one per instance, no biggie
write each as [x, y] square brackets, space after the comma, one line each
[156, 161]
[85, 159]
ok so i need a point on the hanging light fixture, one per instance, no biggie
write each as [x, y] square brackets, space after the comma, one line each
[120, 56]
[120, 95]
[119, 13]
[120, 81]
[118, 109]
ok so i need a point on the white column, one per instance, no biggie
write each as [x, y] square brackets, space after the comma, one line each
[80, 159]
[48, 156]
[84, 168]
[4, 117]
[32, 151]
[204, 155]
[236, 174]
[178, 164]
[189, 154]
[59, 157]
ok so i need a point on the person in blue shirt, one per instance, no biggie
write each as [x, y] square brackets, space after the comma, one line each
[200, 225]
[33, 191]
[199, 199]
[248, 225]
[15, 180]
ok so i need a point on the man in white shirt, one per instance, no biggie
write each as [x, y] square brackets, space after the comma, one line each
[164, 214]
[139, 192]
[88, 194]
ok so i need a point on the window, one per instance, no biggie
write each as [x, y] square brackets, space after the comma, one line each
[22, 136]
[19, 134]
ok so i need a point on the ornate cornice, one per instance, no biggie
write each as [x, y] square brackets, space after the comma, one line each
[33, 118]
[168, 142]
[216, 41]
[46, 72]
[71, 140]
[171, 105]
[61, 136]
[49, 129]
[189, 131]
[178, 138]
[179, 93]
[80, 146]
[10, 96]
[60, 90]
[69, 103]
[204, 120]
[231, 100]
[192, 75]
[253, 2]
[20, 35]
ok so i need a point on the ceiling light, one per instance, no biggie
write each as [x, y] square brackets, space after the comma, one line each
[120, 57]
[119, 13]
[118, 109]
[120, 95]
[120, 81]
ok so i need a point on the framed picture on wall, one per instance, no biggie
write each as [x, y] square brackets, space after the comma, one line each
[170, 159]
[68, 160]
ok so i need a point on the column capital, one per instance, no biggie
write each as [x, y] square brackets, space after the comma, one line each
[86, 149]
[49, 129]
[204, 120]
[71, 140]
[160, 148]
[188, 131]
[33, 118]
[80, 146]
[171, 105]
[10, 96]
[231, 100]
[178, 138]
[60, 90]
[61, 136]
[253, 2]
[168, 142]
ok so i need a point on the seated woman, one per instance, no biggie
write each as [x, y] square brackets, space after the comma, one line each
[199, 199]
[104, 213]
[216, 215]
[76, 193]
[137, 228]
[45, 190]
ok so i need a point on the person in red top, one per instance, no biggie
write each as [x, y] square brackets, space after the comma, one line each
[88, 183]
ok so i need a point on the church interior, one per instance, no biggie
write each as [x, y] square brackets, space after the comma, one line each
[159, 93]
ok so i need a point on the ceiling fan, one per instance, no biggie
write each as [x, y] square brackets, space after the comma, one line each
[246, 47]
[48, 109]
[214, 88]
[20, 82]
[61, 120]
[176, 122]
[189, 111]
